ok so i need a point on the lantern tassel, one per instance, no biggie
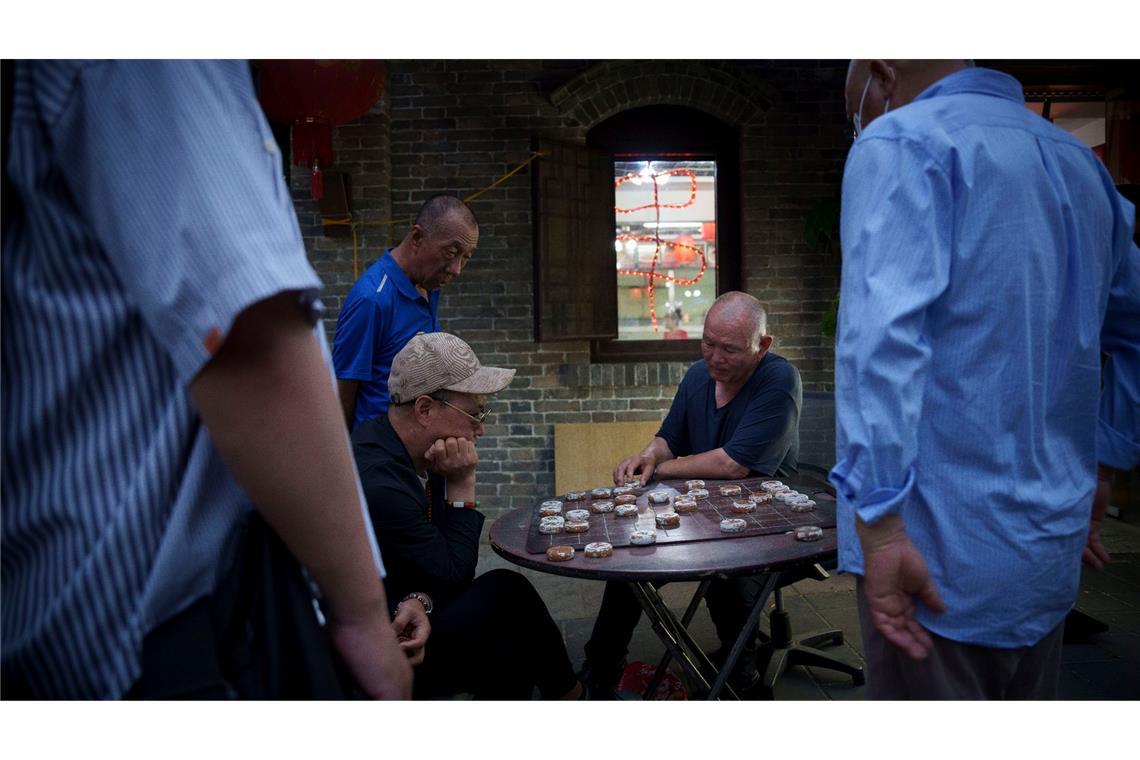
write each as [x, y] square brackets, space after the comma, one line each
[317, 181]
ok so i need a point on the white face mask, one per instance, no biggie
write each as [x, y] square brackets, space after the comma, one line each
[857, 119]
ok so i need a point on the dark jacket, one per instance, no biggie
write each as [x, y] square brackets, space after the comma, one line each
[436, 557]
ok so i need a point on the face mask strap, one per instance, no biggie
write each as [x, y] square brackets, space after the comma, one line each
[858, 119]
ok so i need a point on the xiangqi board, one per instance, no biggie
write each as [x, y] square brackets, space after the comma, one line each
[703, 524]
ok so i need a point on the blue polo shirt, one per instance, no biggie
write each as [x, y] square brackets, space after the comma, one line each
[382, 312]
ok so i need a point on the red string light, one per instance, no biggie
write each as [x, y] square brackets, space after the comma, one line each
[658, 275]
[652, 275]
[655, 205]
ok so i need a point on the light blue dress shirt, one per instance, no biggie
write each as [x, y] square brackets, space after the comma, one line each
[987, 263]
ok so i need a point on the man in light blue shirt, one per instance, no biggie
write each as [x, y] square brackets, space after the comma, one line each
[987, 264]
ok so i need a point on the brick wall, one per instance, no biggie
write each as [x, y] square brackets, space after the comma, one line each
[457, 126]
[817, 429]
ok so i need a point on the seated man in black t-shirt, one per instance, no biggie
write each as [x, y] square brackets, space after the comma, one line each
[736, 415]
[491, 636]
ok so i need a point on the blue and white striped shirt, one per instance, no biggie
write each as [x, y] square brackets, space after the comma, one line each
[152, 213]
[987, 262]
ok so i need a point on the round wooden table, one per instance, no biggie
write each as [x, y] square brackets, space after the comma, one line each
[660, 563]
[780, 558]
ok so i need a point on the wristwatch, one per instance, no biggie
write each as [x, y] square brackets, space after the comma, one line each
[423, 599]
[310, 304]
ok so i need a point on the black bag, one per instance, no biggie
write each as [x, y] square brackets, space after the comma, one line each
[256, 637]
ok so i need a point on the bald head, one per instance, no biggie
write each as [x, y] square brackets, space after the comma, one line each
[439, 244]
[741, 313]
[734, 340]
[440, 207]
[876, 85]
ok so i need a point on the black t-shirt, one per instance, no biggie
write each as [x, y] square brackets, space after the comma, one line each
[436, 557]
[759, 429]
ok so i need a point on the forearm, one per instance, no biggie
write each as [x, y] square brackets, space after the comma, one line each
[268, 403]
[463, 530]
[887, 530]
[658, 451]
[461, 488]
[1103, 493]
[709, 464]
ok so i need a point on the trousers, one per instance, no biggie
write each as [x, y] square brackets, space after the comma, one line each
[955, 670]
[495, 640]
[730, 602]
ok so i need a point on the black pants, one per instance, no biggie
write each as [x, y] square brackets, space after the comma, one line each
[496, 640]
[729, 601]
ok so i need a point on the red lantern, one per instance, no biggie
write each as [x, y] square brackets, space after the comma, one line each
[314, 96]
[685, 249]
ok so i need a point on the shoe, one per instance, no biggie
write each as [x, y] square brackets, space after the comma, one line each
[602, 684]
[607, 694]
[745, 675]
[600, 679]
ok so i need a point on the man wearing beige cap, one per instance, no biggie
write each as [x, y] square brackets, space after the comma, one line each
[491, 636]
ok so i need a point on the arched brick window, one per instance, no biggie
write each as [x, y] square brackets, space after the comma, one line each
[696, 220]
[674, 119]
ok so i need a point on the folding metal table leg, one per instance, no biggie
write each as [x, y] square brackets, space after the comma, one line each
[745, 632]
[666, 658]
[677, 640]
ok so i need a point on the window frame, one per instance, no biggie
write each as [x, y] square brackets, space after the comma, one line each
[671, 133]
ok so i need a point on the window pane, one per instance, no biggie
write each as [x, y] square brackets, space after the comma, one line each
[665, 246]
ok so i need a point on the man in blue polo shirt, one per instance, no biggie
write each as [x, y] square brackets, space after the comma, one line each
[735, 415]
[396, 298]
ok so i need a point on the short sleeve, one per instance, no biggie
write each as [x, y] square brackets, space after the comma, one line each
[771, 422]
[675, 429]
[175, 169]
[360, 321]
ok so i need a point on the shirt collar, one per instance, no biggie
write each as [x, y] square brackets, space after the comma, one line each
[978, 81]
[396, 274]
[379, 433]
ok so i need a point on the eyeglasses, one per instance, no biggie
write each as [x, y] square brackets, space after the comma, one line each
[477, 419]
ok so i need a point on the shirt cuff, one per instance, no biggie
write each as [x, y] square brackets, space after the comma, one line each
[872, 506]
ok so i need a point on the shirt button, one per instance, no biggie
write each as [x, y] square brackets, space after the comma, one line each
[271, 147]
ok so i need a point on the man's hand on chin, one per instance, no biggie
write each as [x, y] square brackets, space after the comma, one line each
[894, 573]
[453, 458]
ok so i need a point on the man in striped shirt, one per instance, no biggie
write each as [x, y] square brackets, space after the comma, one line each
[161, 375]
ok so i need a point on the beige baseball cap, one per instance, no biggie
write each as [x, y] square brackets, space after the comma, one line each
[432, 362]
